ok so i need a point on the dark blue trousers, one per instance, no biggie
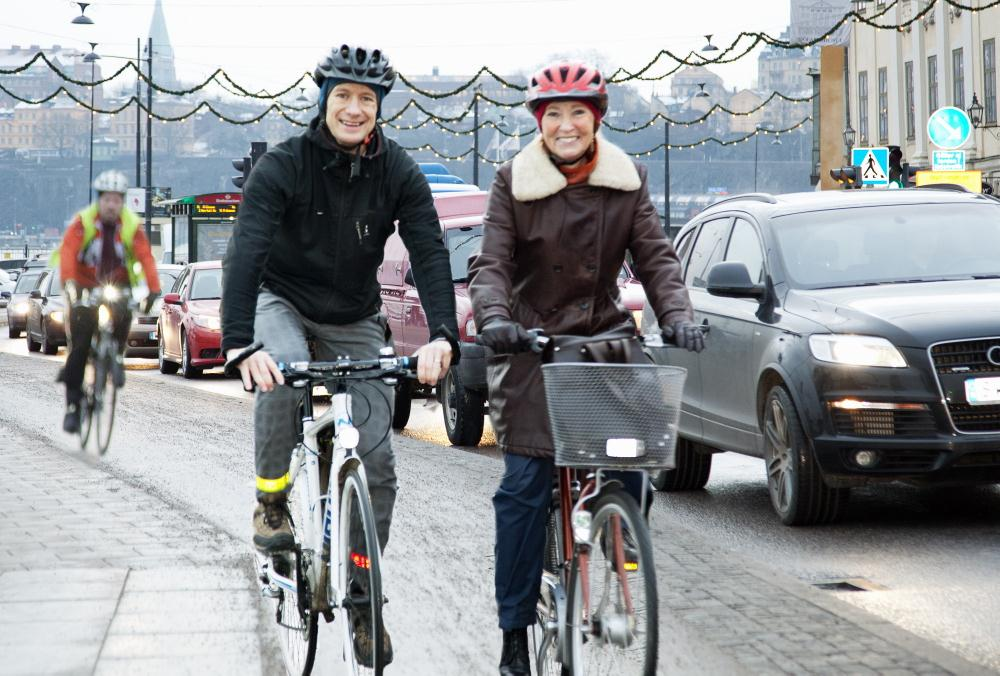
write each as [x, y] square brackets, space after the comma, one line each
[522, 505]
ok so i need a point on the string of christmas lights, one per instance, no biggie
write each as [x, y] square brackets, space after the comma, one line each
[727, 55]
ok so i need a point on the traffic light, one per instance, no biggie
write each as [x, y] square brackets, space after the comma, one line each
[849, 177]
[246, 164]
[243, 165]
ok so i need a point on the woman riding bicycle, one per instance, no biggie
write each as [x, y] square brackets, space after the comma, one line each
[560, 218]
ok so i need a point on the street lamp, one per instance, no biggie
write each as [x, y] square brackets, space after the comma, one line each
[701, 94]
[709, 47]
[975, 111]
[849, 137]
[83, 18]
[301, 98]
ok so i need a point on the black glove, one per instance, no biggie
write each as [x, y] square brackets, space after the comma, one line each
[147, 304]
[685, 334]
[504, 336]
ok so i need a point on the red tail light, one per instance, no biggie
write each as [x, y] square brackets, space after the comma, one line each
[360, 560]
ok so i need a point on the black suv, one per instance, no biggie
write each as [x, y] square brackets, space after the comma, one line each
[854, 336]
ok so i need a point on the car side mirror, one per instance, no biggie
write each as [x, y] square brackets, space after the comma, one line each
[732, 280]
[408, 277]
[35, 293]
[172, 299]
[5, 294]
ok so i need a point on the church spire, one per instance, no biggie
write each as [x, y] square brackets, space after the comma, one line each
[164, 73]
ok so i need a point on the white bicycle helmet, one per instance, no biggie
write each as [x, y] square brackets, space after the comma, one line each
[111, 181]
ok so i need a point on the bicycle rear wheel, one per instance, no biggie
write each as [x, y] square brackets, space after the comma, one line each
[297, 621]
[363, 630]
[105, 398]
[87, 406]
[613, 606]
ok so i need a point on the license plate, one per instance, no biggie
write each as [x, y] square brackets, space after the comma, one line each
[982, 391]
[152, 335]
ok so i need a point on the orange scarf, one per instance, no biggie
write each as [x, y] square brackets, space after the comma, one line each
[581, 172]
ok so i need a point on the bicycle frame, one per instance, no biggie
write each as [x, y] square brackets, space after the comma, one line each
[322, 510]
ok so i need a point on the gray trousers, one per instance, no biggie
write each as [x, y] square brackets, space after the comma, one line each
[284, 332]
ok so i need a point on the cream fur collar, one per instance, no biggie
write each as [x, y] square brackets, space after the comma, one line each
[534, 177]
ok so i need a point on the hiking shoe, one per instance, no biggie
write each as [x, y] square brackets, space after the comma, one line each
[118, 371]
[71, 421]
[361, 624]
[271, 532]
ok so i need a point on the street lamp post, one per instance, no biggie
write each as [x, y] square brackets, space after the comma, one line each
[666, 174]
[475, 135]
[91, 58]
[756, 137]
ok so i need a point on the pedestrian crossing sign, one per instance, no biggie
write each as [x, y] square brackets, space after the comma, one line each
[873, 165]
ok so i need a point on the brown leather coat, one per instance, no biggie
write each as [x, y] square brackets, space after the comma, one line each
[550, 259]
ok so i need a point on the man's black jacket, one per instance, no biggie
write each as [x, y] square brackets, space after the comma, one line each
[312, 228]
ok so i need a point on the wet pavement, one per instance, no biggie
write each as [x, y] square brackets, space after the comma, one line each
[734, 585]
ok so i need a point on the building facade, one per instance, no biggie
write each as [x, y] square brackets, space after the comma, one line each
[897, 78]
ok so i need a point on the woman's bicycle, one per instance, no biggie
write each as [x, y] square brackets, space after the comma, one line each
[100, 392]
[597, 611]
[335, 562]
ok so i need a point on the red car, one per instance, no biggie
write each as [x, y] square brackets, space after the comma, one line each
[463, 391]
[190, 332]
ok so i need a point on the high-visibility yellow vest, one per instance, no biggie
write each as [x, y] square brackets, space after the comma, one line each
[130, 223]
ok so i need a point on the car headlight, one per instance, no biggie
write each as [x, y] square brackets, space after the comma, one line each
[21, 308]
[56, 316]
[856, 350]
[211, 323]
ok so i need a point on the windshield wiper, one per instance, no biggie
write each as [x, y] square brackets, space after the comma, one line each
[985, 276]
[466, 241]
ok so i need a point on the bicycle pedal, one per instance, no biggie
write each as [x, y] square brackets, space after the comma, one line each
[268, 589]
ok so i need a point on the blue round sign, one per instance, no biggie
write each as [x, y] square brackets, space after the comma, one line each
[949, 127]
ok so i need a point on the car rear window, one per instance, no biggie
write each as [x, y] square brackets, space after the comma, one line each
[207, 284]
[890, 244]
[462, 243]
[26, 282]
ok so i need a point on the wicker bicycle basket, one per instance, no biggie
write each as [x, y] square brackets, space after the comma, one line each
[614, 415]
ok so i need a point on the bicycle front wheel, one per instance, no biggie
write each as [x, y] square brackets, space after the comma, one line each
[613, 606]
[363, 630]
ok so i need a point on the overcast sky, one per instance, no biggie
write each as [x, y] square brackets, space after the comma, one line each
[269, 43]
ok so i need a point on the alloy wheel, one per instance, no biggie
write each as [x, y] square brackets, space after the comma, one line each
[780, 456]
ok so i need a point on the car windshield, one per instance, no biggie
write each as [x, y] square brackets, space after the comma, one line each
[167, 279]
[26, 282]
[207, 284]
[890, 244]
[462, 243]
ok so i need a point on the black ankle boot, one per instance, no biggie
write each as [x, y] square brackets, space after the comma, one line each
[515, 657]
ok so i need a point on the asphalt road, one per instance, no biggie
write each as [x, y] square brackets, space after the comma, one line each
[929, 556]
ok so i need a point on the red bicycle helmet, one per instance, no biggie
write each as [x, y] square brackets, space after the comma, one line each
[568, 80]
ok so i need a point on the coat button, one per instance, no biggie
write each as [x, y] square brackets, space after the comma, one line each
[584, 306]
[591, 267]
[557, 268]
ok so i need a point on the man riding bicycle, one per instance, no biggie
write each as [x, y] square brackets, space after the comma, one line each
[560, 218]
[103, 245]
[302, 264]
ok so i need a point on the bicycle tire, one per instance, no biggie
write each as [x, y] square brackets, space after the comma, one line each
[86, 407]
[299, 637]
[357, 520]
[105, 398]
[612, 643]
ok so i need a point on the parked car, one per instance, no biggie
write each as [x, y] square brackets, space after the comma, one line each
[12, 263]
[462, 393]
[854, 338]
[143, 336]
[7, 284]
[17, 307]
[190, 334]
[45, 327]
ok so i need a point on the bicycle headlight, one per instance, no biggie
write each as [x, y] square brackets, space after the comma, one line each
[856, 350]
[111, 293]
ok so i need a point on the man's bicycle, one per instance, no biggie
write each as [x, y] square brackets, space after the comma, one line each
[335, 562]
[100, 393]
[597, 611]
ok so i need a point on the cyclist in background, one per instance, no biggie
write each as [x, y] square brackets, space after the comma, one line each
[560, 218]
[103, 245]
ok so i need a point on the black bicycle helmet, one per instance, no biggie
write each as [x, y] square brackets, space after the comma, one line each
[356, 64]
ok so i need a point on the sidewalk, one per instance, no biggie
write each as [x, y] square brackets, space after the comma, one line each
[96, 579]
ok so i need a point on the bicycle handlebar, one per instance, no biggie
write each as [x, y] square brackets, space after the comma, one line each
[538, 340]
[345, 369]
